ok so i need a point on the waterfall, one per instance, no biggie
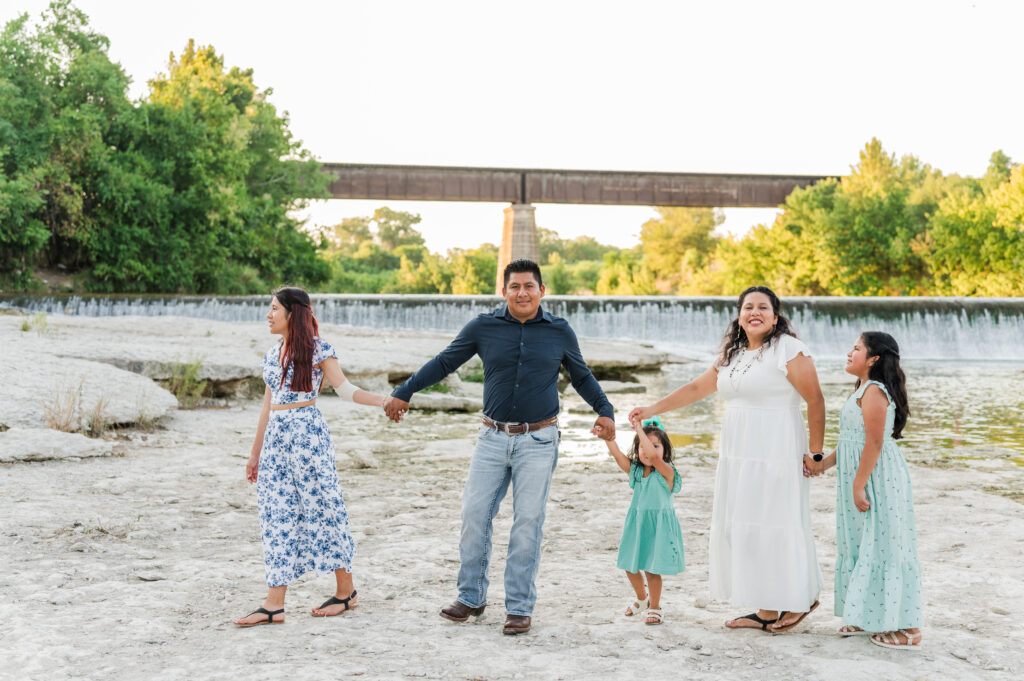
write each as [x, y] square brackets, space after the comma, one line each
[926, 328]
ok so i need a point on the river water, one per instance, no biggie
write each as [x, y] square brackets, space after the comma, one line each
[964, 356]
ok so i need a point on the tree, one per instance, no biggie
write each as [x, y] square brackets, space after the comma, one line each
[60, 100]
[678, 243]
[395, 228]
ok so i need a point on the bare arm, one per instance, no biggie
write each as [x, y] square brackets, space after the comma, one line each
[873, 405]
[694, 391]
[334, 374]
[650, 457]
[253, 465]
[801, 373]
[620, 458]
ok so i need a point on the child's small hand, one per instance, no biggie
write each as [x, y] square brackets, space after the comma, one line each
[860, 499]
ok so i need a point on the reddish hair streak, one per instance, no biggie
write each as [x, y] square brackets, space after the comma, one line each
[302, 329]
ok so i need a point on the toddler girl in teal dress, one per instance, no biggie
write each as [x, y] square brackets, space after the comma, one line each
[878, 575]
[652, 541]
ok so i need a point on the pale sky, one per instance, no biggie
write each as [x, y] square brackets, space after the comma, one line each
[744, 87]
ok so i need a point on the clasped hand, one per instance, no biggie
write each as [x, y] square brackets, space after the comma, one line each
[395, 408]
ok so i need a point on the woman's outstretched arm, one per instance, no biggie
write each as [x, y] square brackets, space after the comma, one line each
[334, 374]
[694, 391]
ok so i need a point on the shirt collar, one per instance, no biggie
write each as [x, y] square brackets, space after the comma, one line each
[541, 316]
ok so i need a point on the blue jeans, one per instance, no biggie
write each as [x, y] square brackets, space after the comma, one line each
[527, 461]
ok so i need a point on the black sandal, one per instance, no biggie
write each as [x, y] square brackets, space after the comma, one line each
[753, 616]
[263, 611]
[335, 601]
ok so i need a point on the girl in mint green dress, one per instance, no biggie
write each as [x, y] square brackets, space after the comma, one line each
[878, 575]
[652, 541]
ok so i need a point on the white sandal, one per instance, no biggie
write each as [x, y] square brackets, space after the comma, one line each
[888, 639]
[654, 614]
[637, 606]
[850, 630]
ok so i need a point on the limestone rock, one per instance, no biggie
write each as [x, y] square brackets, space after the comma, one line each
[42, 390]
[622, 387]
[445, 402]
[44, 444]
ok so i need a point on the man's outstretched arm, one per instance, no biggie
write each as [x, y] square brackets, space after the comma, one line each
[448, 360]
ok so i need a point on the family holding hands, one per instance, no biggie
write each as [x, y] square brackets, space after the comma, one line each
[762, 550]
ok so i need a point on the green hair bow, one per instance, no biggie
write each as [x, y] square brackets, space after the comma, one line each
[653, 421]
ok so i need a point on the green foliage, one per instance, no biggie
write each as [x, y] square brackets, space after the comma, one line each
[385, 254]
[891, 227]
[184, 382]
[677, 244]
[188, 190]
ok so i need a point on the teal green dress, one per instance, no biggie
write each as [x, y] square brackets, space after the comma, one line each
[878, 575]
[652, 540]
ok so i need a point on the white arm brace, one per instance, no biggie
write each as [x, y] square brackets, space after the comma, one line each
[347, 390]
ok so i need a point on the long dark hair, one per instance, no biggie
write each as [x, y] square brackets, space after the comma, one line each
[888, 372]
[302, 329]
[666, 445]
[735, 338]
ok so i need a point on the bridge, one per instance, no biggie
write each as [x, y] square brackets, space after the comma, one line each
[522, 187]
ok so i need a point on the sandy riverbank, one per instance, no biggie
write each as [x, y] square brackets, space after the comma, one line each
[133, 566]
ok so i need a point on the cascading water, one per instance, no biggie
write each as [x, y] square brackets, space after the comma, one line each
[927, 328]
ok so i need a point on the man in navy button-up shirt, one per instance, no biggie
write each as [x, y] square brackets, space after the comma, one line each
[522, 348]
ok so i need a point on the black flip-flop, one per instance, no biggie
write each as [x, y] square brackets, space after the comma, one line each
[336, 601]
[263, 611]
[753, 616]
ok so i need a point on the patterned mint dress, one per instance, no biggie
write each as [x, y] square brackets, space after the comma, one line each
[652, 540]
[878, 576]
[302, 513]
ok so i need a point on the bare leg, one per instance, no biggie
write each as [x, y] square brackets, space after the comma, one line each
[274, 601]
[345, 587]
[637, 582]
[654, 586]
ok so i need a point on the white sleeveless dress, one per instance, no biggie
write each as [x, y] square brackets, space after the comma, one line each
[762, 550]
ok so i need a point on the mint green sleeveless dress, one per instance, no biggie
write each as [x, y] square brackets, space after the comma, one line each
[878, 575]
[652, 540]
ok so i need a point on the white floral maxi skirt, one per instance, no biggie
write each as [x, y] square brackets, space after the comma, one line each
[302, 513]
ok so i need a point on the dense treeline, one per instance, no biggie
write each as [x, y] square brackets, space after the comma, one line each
[890, 227]
[192, 189]
[188, 190]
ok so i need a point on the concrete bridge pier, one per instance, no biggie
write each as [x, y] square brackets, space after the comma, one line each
[518, 238]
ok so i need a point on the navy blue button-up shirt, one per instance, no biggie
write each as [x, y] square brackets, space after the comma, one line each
[521, 363]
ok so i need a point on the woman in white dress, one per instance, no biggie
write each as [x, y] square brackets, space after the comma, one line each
[762, 549]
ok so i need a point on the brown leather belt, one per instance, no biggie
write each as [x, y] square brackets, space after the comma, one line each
[519, 428]
[292, 405]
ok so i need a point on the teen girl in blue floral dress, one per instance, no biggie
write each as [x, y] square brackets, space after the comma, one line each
[302, 513]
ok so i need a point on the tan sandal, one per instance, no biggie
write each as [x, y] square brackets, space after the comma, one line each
[850, 630]
[890, 639]
[776, 629]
